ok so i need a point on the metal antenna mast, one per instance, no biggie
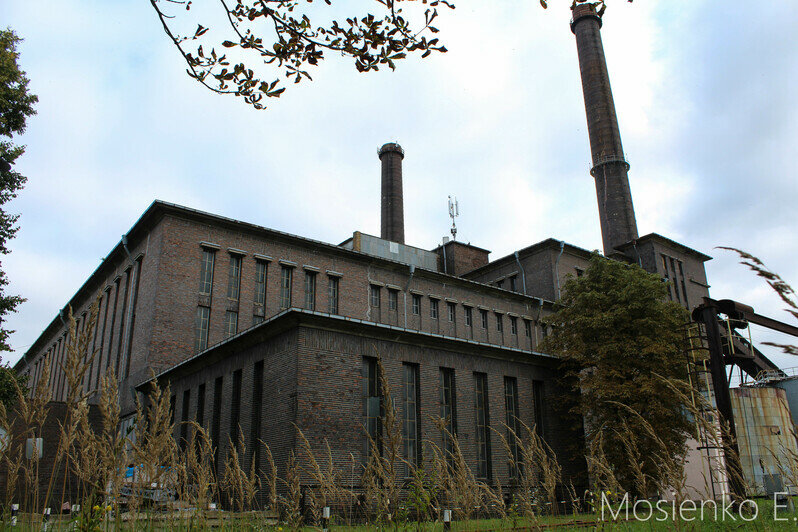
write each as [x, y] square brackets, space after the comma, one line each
[454, 212]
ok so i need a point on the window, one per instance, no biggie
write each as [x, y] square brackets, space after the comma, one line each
[373, 406]
[234, 278]
[261, 269]
[201, 328]
[256, 319]
[544, 330]
[666, 276]
[235, 409]
[332, 292]
[433, 309]
[230, 323]
[499, 323]
[201, 405]
[217, 418]
[468, 317]
[448, 411]
[482, 425]
[416, 304]
[184, 419]
[254, 425]
[310, 290]
[537, 398]
[513, 424]
[513, 325]
[500, 284]
[484, 314]
[527, 328]
[392, 299]
[513, 283]
[450, 311]
[411, 429]
[286, 275]
[206, 272]
[579, 272]
[374, 292]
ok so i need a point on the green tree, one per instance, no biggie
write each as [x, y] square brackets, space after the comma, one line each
[621, 347]
[16, 105]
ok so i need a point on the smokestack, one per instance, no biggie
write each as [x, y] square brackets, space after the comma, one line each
[618, 225]
[393, 217]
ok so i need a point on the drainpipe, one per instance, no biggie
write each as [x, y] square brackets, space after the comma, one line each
[557, 267]
[521, 268]
[407, 286]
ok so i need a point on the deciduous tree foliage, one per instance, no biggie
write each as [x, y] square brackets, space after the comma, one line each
[280, 34]
[620, 340]
[16, 105]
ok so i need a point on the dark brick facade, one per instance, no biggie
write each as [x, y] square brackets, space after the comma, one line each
[314, 381]
[51, 473]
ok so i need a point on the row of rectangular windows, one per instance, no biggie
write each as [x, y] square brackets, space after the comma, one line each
[231, 325]
[451, 311]
[674, 278]
[57, 353]
[411, 415]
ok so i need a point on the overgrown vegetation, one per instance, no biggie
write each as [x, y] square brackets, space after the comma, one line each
[176, 485]
[622, 349]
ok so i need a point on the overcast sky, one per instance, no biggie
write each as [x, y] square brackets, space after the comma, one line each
[704, 93]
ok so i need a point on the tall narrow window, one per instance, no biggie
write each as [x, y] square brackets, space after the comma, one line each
[286, 274]
[448, 411]
[310, 290]
[469, 318]
[527, 328]
[411, 428]
[233, 291]
[200, 417]
[216, 420]
[255, 422]
[201, 328]
[332, 292]
[230, 323]
[184, 419]
[201, 322]
[261, 270]
[513, 283]
[499, 323]
[537, 398]
[416, 304]
[684, 286]
[392, 299]
[513, 424]
[666, 276]
[482, 425]
[484, 315]
[513, 325]
[201, 405]
[234, 278]
[375, 296]
[206, 272]
[373, 406]
[450, 311]
[235, 409]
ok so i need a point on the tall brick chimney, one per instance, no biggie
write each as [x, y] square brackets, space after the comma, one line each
[618, 225]
[393, 217]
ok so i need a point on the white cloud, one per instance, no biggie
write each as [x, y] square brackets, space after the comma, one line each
[704, 103]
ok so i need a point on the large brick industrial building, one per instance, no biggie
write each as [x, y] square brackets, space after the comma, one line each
[266, 331]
